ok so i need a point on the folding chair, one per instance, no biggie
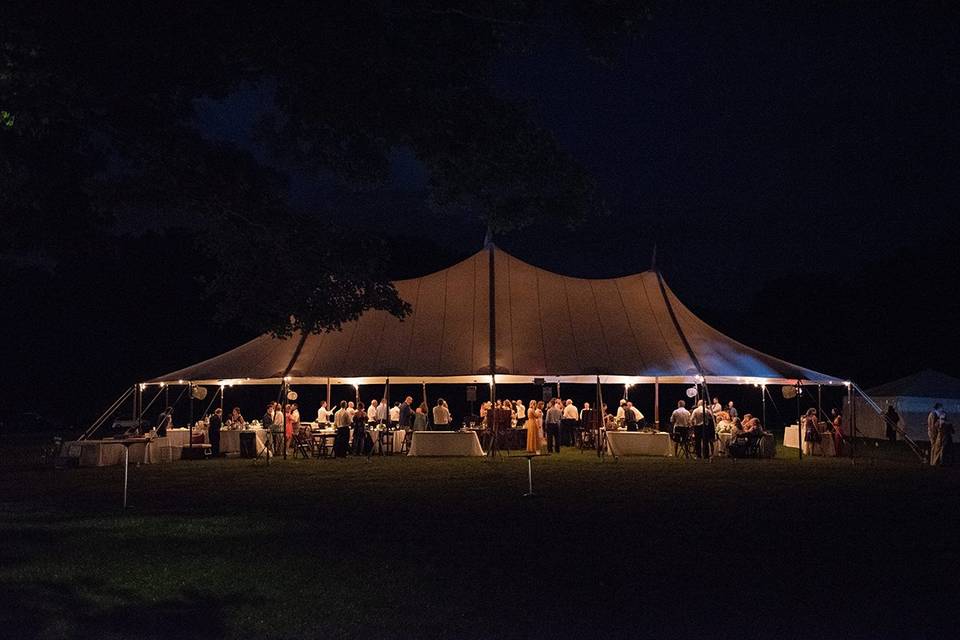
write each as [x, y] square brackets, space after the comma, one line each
[302, 443]
[682, 442]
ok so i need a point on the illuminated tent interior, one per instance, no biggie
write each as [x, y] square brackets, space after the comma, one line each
[628, 330]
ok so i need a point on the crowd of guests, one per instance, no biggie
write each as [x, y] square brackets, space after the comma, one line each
[705, 424]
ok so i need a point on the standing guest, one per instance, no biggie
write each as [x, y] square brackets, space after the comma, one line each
[622, 410]
[441, 415]
[406, 413]
[716, 407]
[631, 416]
[568, 423]
[836, 420]
[542, 410]
[554, 415]
[288, 424]
[935, 420]
[295, 414]
[351, 409]
[323, 415]
[731, 410]
[533, 428]
[267, 421]
[395, 415]
[277, 428]
[586, 408]
[372, 411]
[359, 422]
[382, 412]
[420, 418]
[213, 430]
[891, 420]
[164, 422]
[680, 422]
[703, 430]
[341, 422]
[521, 411]
[811, 434]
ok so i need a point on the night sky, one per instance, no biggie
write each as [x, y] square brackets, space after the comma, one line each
[797, 173]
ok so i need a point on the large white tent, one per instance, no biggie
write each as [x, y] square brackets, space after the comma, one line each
[494, 313]
[913, 397]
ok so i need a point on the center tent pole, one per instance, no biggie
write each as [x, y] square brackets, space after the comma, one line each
[329, 406]
[598, 413]
[423, 384]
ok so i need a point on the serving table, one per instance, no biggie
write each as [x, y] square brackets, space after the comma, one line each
[639, 443]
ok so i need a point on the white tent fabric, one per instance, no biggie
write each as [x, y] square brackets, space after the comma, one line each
[913, 397]
[626, 330]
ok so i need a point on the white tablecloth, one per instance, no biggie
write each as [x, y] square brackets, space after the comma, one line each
[181, 437]
[398, 436]
[445, 443]
[636, 443]
[99, 453]
[230, 439]
[826, 446]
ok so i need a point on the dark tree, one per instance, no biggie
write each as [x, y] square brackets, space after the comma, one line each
[98, 131]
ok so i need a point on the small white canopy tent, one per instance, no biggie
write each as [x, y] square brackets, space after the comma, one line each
[913, 397]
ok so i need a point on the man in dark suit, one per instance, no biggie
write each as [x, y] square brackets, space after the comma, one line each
[164, 422]
[406, 413]
[213, 430]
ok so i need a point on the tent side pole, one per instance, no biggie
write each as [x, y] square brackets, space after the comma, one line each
[799, 425]
[763, 403]
[850, 427]
[656, 402]
[329, 407]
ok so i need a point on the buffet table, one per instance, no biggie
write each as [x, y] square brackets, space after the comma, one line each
[638, 443]
[445, 443]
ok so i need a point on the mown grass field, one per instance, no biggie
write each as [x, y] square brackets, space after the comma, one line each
[448, 548]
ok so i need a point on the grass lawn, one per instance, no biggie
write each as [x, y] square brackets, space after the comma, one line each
[448, 548]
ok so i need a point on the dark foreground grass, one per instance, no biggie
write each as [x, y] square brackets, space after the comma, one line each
[448, 548]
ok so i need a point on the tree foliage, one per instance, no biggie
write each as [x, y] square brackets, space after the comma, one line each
[98, 127]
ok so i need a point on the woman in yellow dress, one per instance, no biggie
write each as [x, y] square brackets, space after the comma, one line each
[533, 428]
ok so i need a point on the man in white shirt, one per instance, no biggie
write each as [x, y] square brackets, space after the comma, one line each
[382, 413]
[323, 415]
[568, 423]
[716, 407]
[395, 415]
[680, 421]
[372, 411]
[351, 409]
[620, 409]
[441, 415]
[703, 430]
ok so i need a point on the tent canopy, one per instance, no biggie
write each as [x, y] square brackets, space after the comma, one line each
[923, 384]
[629, 329]
[913, 397]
